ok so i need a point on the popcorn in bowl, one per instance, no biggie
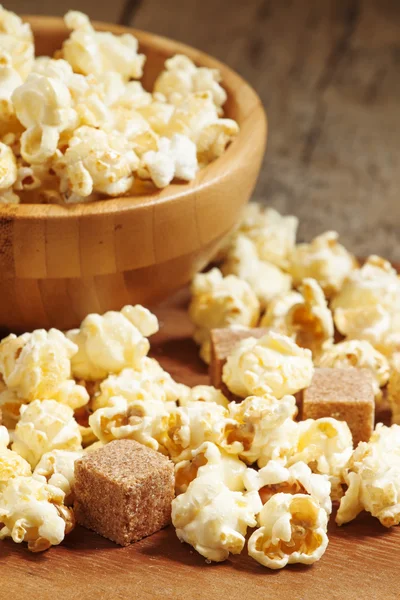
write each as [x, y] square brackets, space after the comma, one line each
[83, 119]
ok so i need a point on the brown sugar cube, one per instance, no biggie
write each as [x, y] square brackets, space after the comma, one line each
[223, 342]
[344, 394]
[123, 491]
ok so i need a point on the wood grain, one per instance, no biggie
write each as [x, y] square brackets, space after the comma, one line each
[327, 73]
[102, 11]
[361, 562]
[101, 255]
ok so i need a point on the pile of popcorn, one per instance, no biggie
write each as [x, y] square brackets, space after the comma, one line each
[238, 465]
[80, 126]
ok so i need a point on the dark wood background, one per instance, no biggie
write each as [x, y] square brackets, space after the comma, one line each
[328, 72]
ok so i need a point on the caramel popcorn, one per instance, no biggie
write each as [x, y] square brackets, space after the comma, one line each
[219, 301]
[277, 310]
[325, 260]
[273, 364]
[293, 530]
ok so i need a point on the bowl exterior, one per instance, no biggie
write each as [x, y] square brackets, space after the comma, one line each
[59, 264]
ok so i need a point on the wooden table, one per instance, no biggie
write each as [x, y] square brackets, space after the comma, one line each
[361, 562]
[328, 74]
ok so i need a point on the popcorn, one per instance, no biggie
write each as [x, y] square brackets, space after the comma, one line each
[273, 364]
[310, 321]
[212, 518]
[181, 77]
[10, 80]
[265, 279]
[57, 467]
[10, 406]
[209, 459]
[214, 139]
[326, 446]
[109, 343]
[274, 478]
[44, 106]
[94, 52]
[219, 301]
[175, 158]
[280, 443]
[192, 116]
[273, 235]
[325, 260]
[139, 420]
[376, 283]
[252, 421]
[185, 428]
[149, 382]
[203, 393]
[38, 366]
[33, 511]
[45, 426]
[16, 39]
[393, 389]
[362, 355]
[277, 310]
[11, 463]
[293, 530]
[95, 162]
[373, 479]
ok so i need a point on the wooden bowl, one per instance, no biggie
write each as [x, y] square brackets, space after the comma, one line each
[57, 264]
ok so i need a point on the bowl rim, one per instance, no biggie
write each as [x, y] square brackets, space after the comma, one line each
[251, 107]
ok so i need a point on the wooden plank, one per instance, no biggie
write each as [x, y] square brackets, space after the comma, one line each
[327, 73]
[102, 11]
[361, 561]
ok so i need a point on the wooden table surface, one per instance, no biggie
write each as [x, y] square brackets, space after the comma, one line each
[328, 74]
[361, 562]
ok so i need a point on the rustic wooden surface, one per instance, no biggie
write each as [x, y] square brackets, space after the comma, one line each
[58, 264]
[361, 562]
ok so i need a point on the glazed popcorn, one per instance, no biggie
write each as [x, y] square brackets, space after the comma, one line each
[32, 511]
[277, 310]
[11, 463]
[209, 458]
[212, 518]
[362, 355]
[251, 423]
[175, 158]
[266, 279]
[325, 445]
[219, 301]
[181, 77]
[38, 366]
[293, 530]
[57, 467]
[325, 260]
[310, 322]
[373, 479]
[187, 427]
[111, 342]
[94, 52]
[95, 162]
[273, 364]
[44, 426]
[273, 235]
[139, 420]
[275, 478]
[16, 39]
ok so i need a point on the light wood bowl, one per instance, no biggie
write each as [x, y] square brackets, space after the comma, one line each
[57, 264]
